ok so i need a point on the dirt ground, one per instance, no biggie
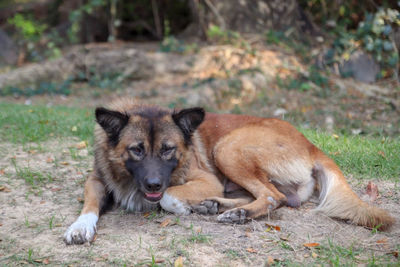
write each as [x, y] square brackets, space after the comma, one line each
[34, 218]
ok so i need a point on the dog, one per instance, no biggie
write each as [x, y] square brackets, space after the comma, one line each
[240, 166]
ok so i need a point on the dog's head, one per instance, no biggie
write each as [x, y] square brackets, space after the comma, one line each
[150, 143]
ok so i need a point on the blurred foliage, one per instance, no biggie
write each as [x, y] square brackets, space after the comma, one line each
[354, 26]
[76, 17]
[31, 38]
[305, 81]
[218, 35]
[27, 27]
[347, 26]
[372, 35]
[41, 88]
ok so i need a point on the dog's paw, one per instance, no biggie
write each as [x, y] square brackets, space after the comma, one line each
[174, 205]
[206, 207]
[236, 215]
[82, 230]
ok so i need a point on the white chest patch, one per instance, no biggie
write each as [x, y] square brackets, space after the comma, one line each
[82, 230]
[171, 204]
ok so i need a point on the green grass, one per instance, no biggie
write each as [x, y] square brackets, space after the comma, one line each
[337, 255]
[363, 157]
[23, 124]
[33, 178]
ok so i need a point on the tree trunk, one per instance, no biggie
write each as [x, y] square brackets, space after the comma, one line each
[247, 16]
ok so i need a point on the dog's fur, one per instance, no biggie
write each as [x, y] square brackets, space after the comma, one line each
[189, 161]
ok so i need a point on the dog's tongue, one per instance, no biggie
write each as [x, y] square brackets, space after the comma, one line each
[154, 195]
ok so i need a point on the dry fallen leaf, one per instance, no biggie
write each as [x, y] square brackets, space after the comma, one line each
[65, 163]
[251, 250]
[55, 189]
[284, 238]
[382, 241]
[4, 188]
[270, 261]
[335, 136]
[49, 160]
[394, 253]
[46, 261]
[248, 233]
[372, 191]
[81, 200]
[275, 227]
[314, 255]
[311, 245]
[146, 214]
[2, 172]
[178, 262]
[382, 154]
[165, 222]
[80, 145]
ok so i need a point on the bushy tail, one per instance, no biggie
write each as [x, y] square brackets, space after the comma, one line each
[339, 201]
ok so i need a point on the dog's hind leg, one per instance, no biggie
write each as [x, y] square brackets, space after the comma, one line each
[242, 159]
[84, 228]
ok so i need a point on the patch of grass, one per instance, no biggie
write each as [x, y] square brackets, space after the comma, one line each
[198, 236]
[363, 157]
[337, 255]
[22, 124]
[33, 178]
[232, 254]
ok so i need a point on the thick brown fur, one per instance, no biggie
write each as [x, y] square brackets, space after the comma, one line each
[194, 158]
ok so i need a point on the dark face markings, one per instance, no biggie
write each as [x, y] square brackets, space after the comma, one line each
[152, 161]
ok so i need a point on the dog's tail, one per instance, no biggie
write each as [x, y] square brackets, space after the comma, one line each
[339, 201]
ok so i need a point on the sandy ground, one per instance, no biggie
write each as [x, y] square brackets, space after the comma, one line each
[34, 218]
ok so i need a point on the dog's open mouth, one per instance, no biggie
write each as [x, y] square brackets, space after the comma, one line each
[153, 197]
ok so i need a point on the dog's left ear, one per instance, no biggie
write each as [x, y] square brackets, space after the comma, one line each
[188, 120]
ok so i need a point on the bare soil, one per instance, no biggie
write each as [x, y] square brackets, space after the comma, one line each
[33, 217]
[33, 220]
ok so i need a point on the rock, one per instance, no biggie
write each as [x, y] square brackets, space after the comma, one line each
[279, 112]
[361, 66]
[329, 123]
[8, 50]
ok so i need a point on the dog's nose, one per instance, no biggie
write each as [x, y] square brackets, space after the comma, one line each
[153, 184]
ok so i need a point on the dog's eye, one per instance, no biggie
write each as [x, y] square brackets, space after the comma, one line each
[167, 150]
[137, 150]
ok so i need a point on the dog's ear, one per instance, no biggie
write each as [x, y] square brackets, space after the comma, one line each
[188, 120]
[112, 122]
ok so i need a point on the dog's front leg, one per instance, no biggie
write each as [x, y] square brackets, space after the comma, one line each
[84, 228]
[200, 186]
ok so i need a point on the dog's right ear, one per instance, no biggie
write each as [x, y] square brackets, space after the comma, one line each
[112, 122]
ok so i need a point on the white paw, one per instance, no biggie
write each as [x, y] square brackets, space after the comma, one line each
[82, 230]
[171, 204]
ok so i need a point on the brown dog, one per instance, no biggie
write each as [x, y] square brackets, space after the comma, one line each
[192, 161]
